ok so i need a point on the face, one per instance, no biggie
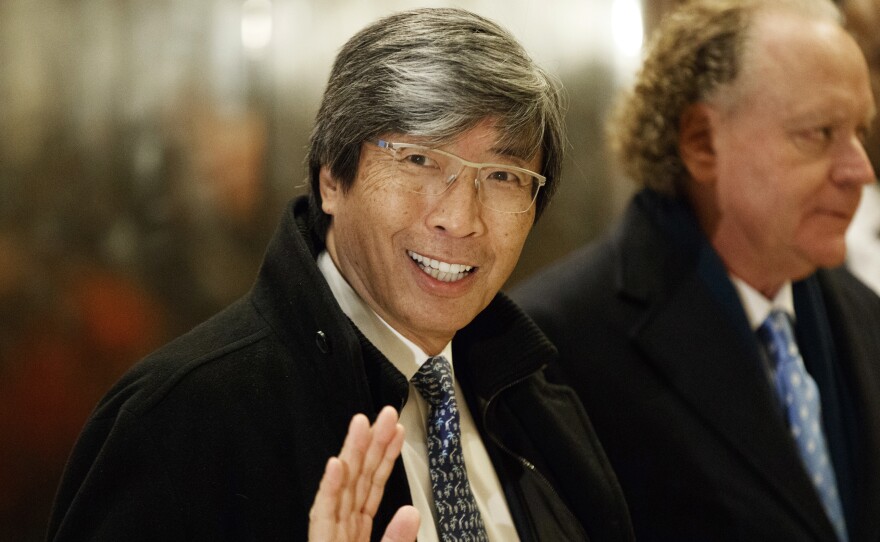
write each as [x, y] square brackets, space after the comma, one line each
[789, 157]
[381, 237]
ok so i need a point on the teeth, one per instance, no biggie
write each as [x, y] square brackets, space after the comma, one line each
[442, 271]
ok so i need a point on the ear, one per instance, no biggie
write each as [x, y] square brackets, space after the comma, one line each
[695, 142]
[331, 190]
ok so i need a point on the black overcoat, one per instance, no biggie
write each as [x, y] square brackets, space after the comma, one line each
[224, 433]
[652, 336]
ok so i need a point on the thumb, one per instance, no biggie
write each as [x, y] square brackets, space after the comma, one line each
[404, 526]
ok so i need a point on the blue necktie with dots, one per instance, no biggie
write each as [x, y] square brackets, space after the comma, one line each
[800, 396]
[458, 519]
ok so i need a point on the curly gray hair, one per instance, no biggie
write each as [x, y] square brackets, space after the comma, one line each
[696, 54]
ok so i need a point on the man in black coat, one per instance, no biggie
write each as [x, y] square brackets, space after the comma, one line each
[746, 129]
[424, 179]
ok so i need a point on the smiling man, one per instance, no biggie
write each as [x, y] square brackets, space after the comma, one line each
[728, 362]
[437, 145]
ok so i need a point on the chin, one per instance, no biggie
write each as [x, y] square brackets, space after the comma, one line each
[440, 321]
[825, 249]
[829, 258]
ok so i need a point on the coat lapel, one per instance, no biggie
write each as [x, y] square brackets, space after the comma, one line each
[857, 346]
[713, 362]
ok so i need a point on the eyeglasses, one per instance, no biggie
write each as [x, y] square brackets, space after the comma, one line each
[502, 188]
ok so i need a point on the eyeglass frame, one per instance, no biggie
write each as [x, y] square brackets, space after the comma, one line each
[541, 179]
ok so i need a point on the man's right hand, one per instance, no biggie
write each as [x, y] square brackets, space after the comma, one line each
[353, 483]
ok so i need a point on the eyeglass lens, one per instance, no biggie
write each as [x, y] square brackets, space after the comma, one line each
[431, 172]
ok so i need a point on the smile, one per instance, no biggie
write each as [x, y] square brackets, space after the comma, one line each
[442, 271]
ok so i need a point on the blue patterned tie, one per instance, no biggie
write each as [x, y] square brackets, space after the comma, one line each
[800, 396]
[458, 519]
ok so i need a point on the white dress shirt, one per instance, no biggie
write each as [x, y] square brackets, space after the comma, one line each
[758, 307]
[408, 358]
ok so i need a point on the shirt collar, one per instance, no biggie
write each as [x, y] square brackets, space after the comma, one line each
[758, 307]
[404, 354]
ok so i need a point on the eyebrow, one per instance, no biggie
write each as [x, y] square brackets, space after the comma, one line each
[825, 113]
[514, 153]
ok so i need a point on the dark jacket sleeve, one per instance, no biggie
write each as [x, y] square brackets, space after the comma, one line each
[199, 448]
[117, 485]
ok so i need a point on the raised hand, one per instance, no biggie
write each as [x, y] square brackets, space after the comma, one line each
[353, 482]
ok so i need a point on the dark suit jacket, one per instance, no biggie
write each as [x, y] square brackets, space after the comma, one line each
[653, 337]
[223, 434]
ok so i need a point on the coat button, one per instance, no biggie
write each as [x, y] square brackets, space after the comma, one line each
[321, 341]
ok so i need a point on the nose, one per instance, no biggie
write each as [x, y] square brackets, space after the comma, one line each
[457, 211]
[852, 165]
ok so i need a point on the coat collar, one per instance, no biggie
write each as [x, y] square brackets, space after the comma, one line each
[668, 266]
[500, 347]
[295, 300]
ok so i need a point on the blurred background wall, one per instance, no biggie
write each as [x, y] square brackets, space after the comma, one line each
[146, 152]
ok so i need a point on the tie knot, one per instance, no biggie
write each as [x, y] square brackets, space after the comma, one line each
[434, 380]
[778, 335]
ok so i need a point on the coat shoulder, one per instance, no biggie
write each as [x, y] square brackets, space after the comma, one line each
[214, 355]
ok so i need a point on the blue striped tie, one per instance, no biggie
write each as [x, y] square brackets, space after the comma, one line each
[458, 519]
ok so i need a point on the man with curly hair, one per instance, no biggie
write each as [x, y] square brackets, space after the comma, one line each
[729, 365]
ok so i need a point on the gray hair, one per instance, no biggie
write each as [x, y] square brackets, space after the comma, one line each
[435, 73]
[695, 55]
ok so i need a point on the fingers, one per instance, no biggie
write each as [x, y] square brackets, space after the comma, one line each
[352, 486]
[379, 432]
[387, 440]
[324, 516]
[352, 455]
[404, 526]
[370, 453]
